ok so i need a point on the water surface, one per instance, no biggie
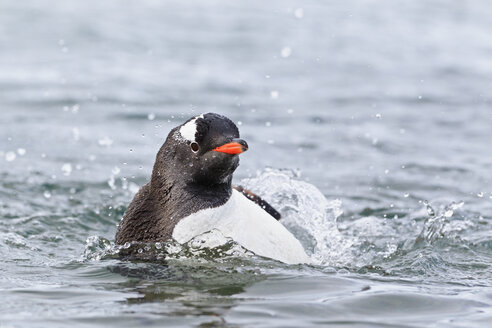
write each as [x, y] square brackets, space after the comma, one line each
[369, 125]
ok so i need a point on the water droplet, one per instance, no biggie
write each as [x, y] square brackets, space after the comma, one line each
[480, 194]
[158, 245]
[66, 169]
[239, 123]
[131, 150]
[378, 115]
[21, 151]
[274, 94]
[386, 171]
[111, 182]
[406, 195]
[47, 194]
[299, 13]
[151, 116]
[429, 209]
[10, 156]
[140, 251]
[76, 134]
[448, 213]
[268, 124]
[106, 141]
[285, 52]
[127, 245]
[115, 170]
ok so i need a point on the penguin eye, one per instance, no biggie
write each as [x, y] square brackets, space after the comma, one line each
[194, 147]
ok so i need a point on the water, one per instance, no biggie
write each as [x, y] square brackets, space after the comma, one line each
[368, 125]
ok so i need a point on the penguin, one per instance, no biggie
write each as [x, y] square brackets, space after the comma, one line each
[190, 193]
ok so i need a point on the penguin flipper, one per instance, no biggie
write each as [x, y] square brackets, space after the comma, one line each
[259, 201]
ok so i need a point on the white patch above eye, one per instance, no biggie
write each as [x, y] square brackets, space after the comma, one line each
[188, 131]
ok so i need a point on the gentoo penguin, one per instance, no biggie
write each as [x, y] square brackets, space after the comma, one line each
[190, 193]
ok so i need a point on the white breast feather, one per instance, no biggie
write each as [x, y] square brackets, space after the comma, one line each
[248, 225]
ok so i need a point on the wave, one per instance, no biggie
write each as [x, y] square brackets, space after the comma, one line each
[427, 241]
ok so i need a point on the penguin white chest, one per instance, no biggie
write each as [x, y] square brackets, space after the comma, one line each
[247, 224]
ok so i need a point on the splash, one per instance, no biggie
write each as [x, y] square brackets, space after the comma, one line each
[306, 213]
[97, 248]
[375, 242]
[439, 225]
[210, 246]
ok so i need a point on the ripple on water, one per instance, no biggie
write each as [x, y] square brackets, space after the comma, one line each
[423, 243]
[438, 240]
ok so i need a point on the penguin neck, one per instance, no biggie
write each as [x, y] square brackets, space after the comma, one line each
[180, 198]
[210, 193]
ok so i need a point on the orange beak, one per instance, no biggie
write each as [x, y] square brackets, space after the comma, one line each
[237, 146]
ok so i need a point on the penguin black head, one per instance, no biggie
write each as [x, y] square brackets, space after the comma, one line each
[204, 151]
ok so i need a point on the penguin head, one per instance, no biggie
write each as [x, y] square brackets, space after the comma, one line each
[204, 150]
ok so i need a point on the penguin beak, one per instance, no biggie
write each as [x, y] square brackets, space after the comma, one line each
[237, 146]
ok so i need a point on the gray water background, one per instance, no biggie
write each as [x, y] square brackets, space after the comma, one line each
[384, 105]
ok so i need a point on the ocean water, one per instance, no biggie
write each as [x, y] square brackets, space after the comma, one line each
[370, 129]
